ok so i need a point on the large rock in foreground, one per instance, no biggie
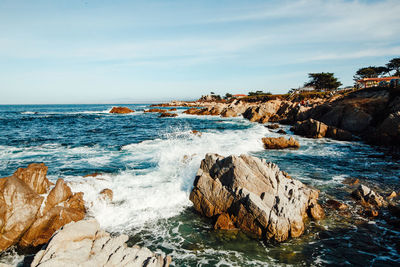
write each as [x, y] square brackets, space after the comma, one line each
[258, 197]
[83, 243]
[28, 217]
[121, 110]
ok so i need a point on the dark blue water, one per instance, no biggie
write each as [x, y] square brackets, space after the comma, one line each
[150, 163]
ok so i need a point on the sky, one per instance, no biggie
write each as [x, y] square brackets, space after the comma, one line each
[85, 51]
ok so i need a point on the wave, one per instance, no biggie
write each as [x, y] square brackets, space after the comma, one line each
[162, 191]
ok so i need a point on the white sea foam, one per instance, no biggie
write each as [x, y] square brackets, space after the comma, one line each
[161, 191]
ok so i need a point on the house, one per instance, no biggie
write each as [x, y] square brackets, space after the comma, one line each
[373, 82]
[239, 96]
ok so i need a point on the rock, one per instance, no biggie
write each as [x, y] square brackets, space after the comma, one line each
[25, 218]
[191, 111]
[121, 110]
[273, 126]
[310, 128]
[371, 213]
[279, 143]
[367, 196]
[316, 211]
[389, 130]
[95, 174]
[351, 181]
[257, 196]
[167, 114]
[280, 131]
[156, 110]
[224, 222]
[197, 133]
[338, 134]
[35, 177]
[83, 243]
[334, 204]
[172, 109]
[107, 194]
[392, 195]
[355, 120]
[19, 205]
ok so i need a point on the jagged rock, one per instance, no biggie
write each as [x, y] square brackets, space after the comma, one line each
[273, 126]
[389, 130]
[35, 177]
[19, 205]
[351, 181]
[121, 110]
[107, 194]
[155, 110]
[310, 128]
[224, 222]
[280, 143]
[172, 109]
[355, 120]
[259, 198]
[24, 216]
[197, 133]
[167, 114]
[338, 134]
[334, 204]
[368, 196]
[83, 243]
[392, 195]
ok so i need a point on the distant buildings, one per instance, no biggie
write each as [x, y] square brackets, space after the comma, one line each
[373, 82]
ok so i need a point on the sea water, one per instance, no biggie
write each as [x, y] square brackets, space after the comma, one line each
[150, 164]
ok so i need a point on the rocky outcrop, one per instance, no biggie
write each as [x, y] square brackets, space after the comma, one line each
[121, 110]
[107, 194]
[28, 218]
[156, 110]
[259, 198]
[280, 143]
[368, 197]
[83, 243]
[167, 114]
[316, 129]
[273, 126]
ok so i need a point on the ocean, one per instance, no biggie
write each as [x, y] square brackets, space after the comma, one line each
[150, 164]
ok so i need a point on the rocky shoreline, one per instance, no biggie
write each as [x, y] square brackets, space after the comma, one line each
[371, 114]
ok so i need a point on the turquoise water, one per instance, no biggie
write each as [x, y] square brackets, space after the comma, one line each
[150, 164]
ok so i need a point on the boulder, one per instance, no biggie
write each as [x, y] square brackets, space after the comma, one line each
[280, 143]
[172, 109]
[19, 205]
[34, 176]
[368, 197]
[107, 194]
[259, 198]
[167, 114]
[280, 131]
[26, 217]
[196, 133]
[389, 130]
[121, 110]
[355, 120]
[310, 128]
[273, 126]
[334, 204]
[155, 110]
[224, 222]
[338, 134]
[83, 243]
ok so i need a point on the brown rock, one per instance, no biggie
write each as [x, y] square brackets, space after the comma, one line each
[172, 109]
[334, 204]
[58, 194]
[121, 110]
[107, 194]
[167, 114]
[279, 143]
[155, 110]
[310, 128]
[338, 134]
[256, 195]
[197, 133]
[371, 213]
[35, 177]
[351, 181]
[95, 174]
[316, 211]
[281, 131]
[273, 126]
[224, 222]
[369, 197]
[19, 205]
[392, 195]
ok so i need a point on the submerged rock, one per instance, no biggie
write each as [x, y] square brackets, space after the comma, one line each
[167, 114]
[83, 243]
[258, 197]
[156, 110]
[121, 110]
[107, 194]
[280, 143]
[26, 217]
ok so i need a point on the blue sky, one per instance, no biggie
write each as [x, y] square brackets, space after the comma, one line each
[68, 51]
